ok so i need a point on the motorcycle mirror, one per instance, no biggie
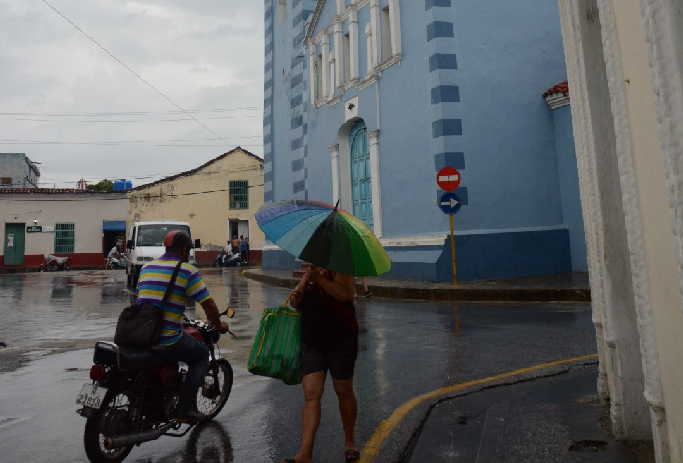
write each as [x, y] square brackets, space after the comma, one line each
[229, 312]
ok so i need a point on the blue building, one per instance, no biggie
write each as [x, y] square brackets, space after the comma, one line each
[365, 100]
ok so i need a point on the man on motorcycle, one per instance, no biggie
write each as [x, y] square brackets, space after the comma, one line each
[174, 345]
[115, 256]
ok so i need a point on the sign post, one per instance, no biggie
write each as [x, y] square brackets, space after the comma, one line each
[448, 180]
[454, 263]
[450, 204]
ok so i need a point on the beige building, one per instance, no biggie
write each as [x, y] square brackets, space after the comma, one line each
[81, 224]
[625, 69]
[218, 199]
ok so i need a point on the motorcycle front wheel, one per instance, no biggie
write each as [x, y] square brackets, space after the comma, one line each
[113, 418]
[213, 395]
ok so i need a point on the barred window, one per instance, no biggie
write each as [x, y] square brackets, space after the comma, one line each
[64, 238]
[239, 194]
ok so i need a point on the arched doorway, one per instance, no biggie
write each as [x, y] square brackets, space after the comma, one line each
[361, 179]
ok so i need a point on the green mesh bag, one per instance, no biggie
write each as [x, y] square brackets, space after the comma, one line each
[277, 346]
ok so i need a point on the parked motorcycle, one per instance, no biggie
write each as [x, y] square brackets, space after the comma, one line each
[54, 263]
[133, 396]
[115, 263]
[229, 260]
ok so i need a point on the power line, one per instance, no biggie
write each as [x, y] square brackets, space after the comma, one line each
[122, 142]
[159, 175]
[128, 113]
[129, 69]
[173, 195]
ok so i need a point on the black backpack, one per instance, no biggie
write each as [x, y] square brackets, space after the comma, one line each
[139, 325]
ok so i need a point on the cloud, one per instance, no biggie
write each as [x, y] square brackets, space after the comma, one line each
[206, 56]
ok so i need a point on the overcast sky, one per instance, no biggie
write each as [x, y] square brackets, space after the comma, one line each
[59, 90]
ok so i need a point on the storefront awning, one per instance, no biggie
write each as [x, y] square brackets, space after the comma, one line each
[114, 225]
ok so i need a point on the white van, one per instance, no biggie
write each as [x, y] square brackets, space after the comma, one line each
[146, 243]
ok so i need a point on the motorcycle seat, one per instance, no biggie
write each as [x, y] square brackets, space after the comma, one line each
[138, 359]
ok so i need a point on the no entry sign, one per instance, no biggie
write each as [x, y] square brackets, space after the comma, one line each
[448, 178]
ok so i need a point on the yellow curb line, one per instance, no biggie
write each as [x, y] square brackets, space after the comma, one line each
[374, 444]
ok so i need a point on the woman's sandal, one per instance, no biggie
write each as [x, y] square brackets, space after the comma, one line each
[351, 455]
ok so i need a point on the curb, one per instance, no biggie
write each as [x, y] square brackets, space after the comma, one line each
[398, 443]
[463, 294]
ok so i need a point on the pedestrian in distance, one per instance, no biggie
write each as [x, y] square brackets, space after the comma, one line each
[329, 342]
[244, 249]
[366, 290]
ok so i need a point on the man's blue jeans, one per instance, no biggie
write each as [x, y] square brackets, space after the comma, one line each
[192, 352]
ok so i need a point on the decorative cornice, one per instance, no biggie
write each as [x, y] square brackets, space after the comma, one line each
[315, 18]
[557, 96]
[557, 100]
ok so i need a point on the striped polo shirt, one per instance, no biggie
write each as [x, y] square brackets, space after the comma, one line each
[154, 279]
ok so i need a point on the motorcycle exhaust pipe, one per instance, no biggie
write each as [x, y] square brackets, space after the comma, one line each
[125, 440]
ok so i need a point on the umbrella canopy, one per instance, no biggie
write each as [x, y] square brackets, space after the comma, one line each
[325, 236]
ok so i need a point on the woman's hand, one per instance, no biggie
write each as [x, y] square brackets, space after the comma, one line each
[297, 294]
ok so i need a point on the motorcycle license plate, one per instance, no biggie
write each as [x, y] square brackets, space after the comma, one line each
[91, 396]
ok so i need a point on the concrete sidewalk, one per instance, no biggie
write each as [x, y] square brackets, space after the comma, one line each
[569, 287]
[553, 419]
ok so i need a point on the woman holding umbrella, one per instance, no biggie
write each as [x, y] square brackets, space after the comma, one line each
[329, 341]
[339, 246]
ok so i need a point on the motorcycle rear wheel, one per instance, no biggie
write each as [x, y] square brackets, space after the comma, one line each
[211, 398]
[110, 419]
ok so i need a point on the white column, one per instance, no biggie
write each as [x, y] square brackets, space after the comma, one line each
[370, 52]
[340, 6]
[334, 160]
[395, 20]
[376, 31]
[373, 139]
[325, 67]
[338, 56]
[312, 78]
[353, 44]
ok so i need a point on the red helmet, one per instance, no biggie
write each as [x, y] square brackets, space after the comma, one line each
[177, 239]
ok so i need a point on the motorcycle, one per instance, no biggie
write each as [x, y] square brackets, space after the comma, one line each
[54, 263]
[229, 260]
[115, 263]
[134, 396]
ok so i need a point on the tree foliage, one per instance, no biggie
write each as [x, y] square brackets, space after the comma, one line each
[102, 185]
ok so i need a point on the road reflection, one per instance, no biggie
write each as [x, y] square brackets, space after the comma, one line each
[208, 443]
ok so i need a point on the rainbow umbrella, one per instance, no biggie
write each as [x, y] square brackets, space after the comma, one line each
[325, 236]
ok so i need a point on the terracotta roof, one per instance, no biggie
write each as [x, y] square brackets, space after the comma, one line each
[562, 87]
[54, 191]
[192, 171]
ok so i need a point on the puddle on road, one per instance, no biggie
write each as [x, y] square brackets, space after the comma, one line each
[49, 313]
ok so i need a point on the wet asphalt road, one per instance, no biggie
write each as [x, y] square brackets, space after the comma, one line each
[51, 320]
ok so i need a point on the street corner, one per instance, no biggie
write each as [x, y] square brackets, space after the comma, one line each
[397, 437]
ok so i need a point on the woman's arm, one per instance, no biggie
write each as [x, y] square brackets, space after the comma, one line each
[296, 295]
[342, 288]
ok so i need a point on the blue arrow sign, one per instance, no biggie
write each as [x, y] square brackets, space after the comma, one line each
[449, 203]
